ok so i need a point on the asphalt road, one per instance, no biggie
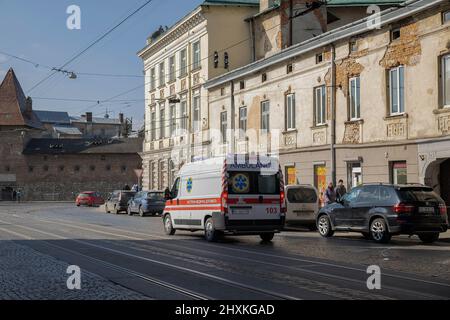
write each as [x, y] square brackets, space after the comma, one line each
[134, 254]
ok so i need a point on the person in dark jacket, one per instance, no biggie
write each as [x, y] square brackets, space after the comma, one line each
[340, 190]
[330, 194]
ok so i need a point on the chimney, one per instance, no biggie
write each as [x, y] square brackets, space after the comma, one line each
[28, 105]
[121, 117]
[88, 116]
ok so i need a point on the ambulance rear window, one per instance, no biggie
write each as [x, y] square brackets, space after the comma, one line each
[253, 183]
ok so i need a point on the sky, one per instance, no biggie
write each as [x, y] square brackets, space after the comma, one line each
[36, 30]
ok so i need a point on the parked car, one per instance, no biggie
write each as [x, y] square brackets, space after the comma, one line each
[118, 201]
[89, 198]
[144, 202]
[380, 211]
[302, 204]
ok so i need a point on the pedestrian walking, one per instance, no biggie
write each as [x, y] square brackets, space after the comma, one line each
[330, 194]
[18, 195]
[340, 190]
[14, 195]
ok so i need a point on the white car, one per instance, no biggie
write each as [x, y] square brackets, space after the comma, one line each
[302, 204]
[229, 195]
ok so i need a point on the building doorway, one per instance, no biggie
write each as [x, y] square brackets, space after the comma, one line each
[354, 175]
[6, 193]
[444, 181]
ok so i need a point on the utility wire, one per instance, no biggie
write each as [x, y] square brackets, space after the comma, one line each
[92, 44]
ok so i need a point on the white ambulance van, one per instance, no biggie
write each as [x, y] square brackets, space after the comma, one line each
[236, 194]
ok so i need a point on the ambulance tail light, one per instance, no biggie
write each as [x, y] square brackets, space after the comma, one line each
[224, 203]
[282, 202]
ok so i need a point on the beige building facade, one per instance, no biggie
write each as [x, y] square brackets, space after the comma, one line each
[356, 103]
[209, 41]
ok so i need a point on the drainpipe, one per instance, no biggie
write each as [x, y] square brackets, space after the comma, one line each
[333, 114]
[252, 37]
[291, 13]
[189, 104]
[233, 135]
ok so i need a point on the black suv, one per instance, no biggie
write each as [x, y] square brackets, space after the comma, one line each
[379, 211]
[118, 201]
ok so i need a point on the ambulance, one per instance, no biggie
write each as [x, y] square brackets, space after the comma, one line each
[236, 194]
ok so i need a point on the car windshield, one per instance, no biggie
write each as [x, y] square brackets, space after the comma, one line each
[240, 182]
[84, 195]
[418, 195]
[302, 195]
[159, 196]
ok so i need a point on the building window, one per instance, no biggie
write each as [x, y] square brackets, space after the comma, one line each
[242, 85]
[446, 16]
[183, 113]
[445, 76]
[320, 105]
[45, 168]
[172, 71]
[396, 90]
[264, 77]
[319, 58]
[172, 172]
[183, 63]
[7, 168]
[108, 167]
[196, 55]
[61, 168]
[152, 79]
[92, 168]
[162, 122]
[123, 168]
[222, 91]
[153, 126]
[223, 126]
[398, 172]
[173, 119]
[196, 109]
[30, 169]
[290, 111]
[291, 176]
[355, 100]
[289, 68]
[162, 74]
[395, 34]
[265, 116]
[354, 174]
[76, 168]
[242, 122]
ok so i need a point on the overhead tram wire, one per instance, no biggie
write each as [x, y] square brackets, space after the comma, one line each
[92, 44]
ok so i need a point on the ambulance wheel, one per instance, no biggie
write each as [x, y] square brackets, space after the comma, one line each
[211, 234]
[168, 227]
[267, 237]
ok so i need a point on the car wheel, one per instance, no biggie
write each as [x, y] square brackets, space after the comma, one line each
[324, 226]
[106, 209]
[168, 227]
[141, 212]
[211, 234]
[267, 237]
[78, 205]
[129, 211]
[429, 237]
[379, 231]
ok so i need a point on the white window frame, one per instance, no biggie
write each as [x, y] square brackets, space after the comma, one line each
[172, 68]
[173, 119]
[320, 105]
[196, 54]
[153, 125]
[183, 62]
[242, 122]
[152, 79]
[265, 116]
[162, 120]
[223, 126]
[354, 88]
[196, 111]
[400, 91]
[162, 74]
[290, 111]
[183, 113]
[445, 63]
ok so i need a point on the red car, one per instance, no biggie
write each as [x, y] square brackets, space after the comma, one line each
[89, 198]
